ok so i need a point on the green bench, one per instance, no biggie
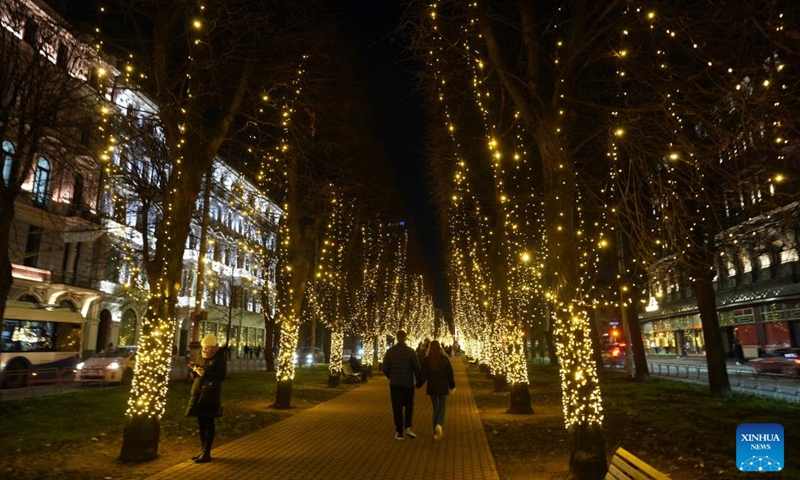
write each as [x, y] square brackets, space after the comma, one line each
[627, 466]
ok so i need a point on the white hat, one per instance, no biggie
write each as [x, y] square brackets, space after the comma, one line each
[209, 340]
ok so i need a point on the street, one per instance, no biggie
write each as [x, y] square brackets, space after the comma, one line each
[742, 377]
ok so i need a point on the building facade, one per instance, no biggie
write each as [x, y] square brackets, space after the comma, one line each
[757, 288]
[79, 225]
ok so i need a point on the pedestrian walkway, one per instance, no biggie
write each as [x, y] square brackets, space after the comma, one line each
[352, 436]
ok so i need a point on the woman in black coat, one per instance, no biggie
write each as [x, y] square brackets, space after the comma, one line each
[438, 372]
[205, 401]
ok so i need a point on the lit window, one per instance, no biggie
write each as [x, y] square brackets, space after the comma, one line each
[8, 152]
[41, 181]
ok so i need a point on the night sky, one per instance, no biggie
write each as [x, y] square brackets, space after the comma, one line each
[388, 73]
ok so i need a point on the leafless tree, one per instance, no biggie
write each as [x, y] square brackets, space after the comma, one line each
[202, 66]
[707, 136]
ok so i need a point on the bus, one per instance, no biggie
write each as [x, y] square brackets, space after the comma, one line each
[38, 343]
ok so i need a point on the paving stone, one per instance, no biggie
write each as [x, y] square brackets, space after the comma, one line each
[352, 436]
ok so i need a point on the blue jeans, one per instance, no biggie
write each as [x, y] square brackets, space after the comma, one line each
[439, 403]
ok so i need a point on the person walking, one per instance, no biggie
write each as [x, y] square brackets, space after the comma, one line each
[738, 352]
[437, 371]
[401, 367]
[205, 400]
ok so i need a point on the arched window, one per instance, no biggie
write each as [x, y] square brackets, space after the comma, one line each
[67, 304]
[29, 298]
[8, 153]
[41, 181]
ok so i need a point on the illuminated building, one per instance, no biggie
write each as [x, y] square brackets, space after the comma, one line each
[80, 221]
[757, 291]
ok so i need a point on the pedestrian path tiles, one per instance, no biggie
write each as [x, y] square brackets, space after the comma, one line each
[352, 436]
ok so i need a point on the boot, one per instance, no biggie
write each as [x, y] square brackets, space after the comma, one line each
[206, 456]
[202, 446]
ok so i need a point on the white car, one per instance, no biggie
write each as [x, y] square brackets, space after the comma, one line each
[112, 365]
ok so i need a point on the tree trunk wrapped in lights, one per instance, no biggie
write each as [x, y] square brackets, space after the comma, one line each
[164, 266]
[335, 366]
[294, 273]
[368, 354]
[517, 374]
[290, 328]
[147, 400]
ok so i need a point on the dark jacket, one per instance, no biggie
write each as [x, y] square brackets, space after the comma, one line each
[206, 397]
[440, 381]
[355, 365]
[400, 365]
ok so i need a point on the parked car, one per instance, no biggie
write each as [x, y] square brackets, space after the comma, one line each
[784, 361]
[614, 354]
[112, 365]
[303, 356]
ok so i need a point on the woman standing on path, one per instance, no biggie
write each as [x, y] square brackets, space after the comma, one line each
[206, 397]
[438, 372]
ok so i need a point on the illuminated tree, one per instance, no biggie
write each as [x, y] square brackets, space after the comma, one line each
[331, 296]
[200, 66]
[537, 70]
[320, 145]
[370, 288]
[704, 145]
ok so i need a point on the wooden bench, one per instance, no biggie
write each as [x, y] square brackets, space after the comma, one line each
[349, 375]
[626, 466]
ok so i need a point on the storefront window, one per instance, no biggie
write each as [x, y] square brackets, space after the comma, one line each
[746, 334]
[725, 318]
[743, 315]
[699, 341]
[777, 334]
[773, 313]
[793, 311]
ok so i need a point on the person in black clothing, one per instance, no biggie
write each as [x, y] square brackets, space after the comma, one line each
[438, 372]
[738, 352]
[354, 363]
[401, 367]
[206, 397]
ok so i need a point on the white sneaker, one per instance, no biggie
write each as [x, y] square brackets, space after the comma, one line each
[398, 436]
[439, 434]
[410, 433]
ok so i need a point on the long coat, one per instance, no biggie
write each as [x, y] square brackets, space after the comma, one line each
[440, 381]
[206, 397]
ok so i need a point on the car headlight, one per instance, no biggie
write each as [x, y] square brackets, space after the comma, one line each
[113, 366]
[80, 366]
[309, 358]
